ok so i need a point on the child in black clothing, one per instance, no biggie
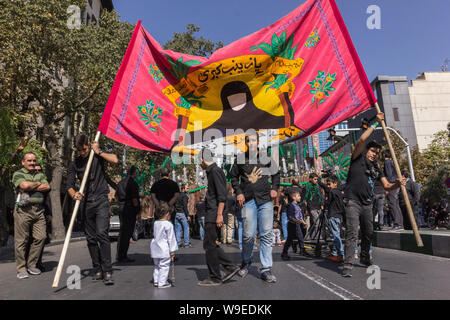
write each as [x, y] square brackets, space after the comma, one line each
[295, 221]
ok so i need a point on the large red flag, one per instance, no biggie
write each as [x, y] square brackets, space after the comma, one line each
[296, 77]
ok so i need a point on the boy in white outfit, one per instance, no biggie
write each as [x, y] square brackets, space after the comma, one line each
[163, 246]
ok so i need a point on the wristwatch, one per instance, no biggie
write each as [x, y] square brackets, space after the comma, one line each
[100, 152]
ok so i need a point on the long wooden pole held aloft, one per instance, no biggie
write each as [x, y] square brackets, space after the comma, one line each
[403, 189]
[72, 220]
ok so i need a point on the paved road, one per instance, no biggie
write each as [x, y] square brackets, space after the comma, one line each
[403, 276]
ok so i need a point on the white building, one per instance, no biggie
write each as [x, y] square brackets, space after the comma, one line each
[430, 102]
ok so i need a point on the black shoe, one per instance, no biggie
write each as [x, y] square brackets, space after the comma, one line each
[108, 279]
[285, 256]
[267, 276]
[347, 273]
[304, 253]
[366, 262]
[97, 276]
[231, 273]
[294, 249]
[244, 270]
[208, 282]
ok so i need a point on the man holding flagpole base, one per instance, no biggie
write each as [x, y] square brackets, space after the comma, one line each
[96, 205]
[358, 196]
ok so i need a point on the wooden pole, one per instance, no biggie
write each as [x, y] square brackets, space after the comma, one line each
[403, 189]
[72, 220]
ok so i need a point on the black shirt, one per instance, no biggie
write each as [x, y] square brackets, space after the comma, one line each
[361, 179]
[165, 189]
[258, 191]
[230, 206]
[335, 201]
[201, 209]
[132, 192]
[96, 184]
[389, 171]
[181, 205]
[216, 193]
[313, 199]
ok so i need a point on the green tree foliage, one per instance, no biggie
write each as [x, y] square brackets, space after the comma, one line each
[187, 43]
[431, 166]
[51, 71]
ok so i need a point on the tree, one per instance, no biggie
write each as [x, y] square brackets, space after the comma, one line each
[51, 72]
[187, 43]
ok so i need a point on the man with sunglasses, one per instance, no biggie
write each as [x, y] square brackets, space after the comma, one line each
[29, 219]
[358, 195]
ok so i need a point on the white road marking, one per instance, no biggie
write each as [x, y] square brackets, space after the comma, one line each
[330, 286]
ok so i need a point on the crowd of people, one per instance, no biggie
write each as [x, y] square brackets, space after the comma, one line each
[252, 211]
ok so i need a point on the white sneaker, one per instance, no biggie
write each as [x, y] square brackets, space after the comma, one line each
[22, 275]
[356, 256]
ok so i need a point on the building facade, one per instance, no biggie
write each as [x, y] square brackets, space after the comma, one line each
[430, 101]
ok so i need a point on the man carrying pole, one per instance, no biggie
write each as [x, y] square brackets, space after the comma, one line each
[363, 173]
[96, 206]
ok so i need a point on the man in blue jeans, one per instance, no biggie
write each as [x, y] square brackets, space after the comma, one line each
[182, 218]
[254, 195]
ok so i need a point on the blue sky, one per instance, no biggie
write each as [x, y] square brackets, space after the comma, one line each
[414, 35]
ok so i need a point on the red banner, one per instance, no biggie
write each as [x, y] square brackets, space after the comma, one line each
[299, 76]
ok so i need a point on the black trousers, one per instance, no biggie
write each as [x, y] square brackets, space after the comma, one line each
[96, 229]
[127, 218]
[357, 214]
[294, 232]
[393, 203]
[406, 223]
[215, 256]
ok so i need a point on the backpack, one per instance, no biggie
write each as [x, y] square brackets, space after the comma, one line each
[121, 191]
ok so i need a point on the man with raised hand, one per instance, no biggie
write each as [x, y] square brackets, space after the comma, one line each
[254, 195]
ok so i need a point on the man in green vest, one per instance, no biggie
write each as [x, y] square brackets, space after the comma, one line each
[29, 219]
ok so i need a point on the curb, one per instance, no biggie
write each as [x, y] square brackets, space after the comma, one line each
[7, 251]
[435, 244]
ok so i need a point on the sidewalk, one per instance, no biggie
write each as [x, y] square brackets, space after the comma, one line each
[7, 252]
[436, 243]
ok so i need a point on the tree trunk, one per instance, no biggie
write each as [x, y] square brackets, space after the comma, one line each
[56, 168]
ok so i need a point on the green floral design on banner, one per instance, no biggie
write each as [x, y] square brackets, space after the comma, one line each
[339, 165]
[322, 86]
[312, 40]
[151, 115]
[155, 72]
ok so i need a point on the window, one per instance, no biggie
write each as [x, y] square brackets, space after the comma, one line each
[392, 89]
[396, 117]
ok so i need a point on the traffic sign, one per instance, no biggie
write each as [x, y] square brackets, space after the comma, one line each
[447, 182]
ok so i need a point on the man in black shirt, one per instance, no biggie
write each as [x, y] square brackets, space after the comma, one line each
[392, 196]
[96, 206]
[254, 196]
[165, 190]
[182, 218]
[129, 209]
[358, 195]
[314, 201]
[414, 196]
[216, 196]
